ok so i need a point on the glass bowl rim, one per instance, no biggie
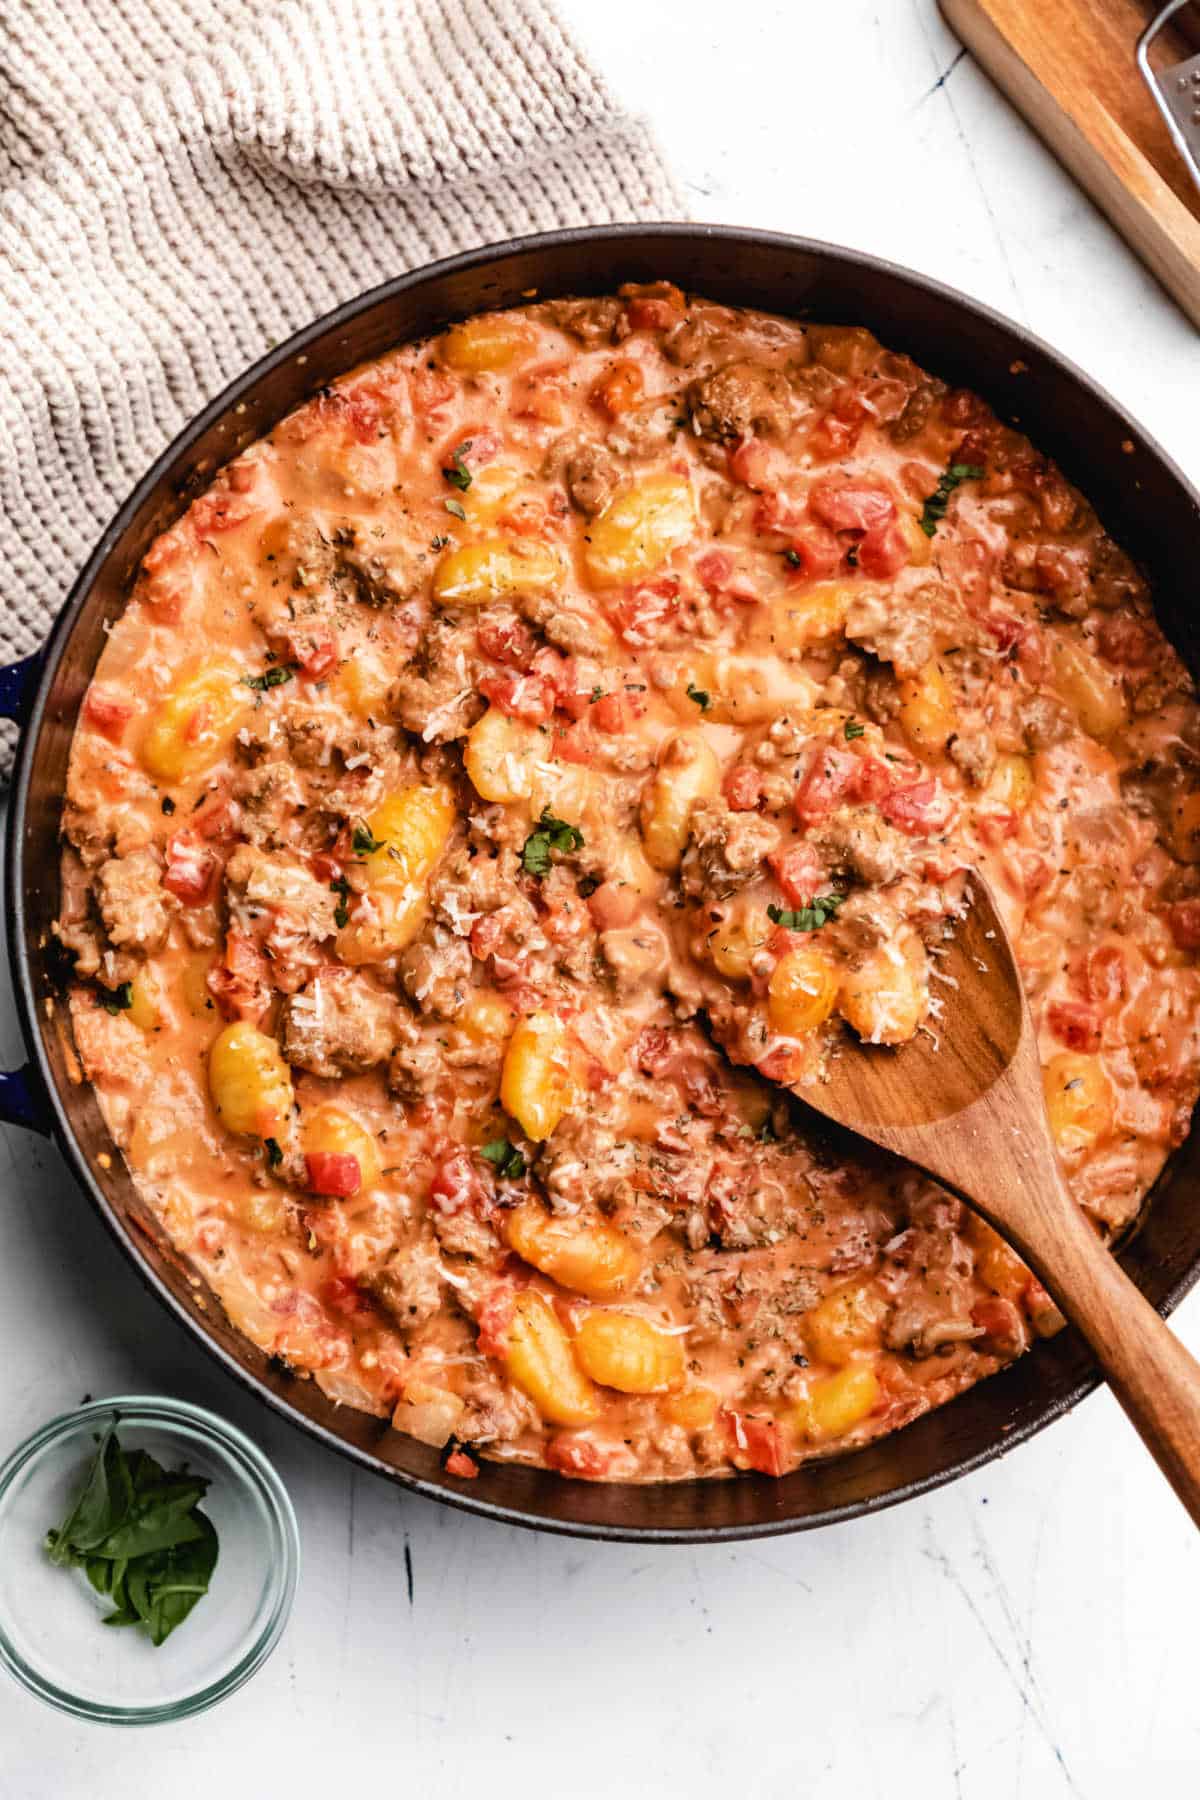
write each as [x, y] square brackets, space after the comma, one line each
[244, 1459]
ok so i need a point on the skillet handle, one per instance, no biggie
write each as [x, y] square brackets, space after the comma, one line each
[17, 682]
[22, 1101]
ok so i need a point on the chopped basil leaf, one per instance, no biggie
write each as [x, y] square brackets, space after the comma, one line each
[806, 918]
[793, 557]
[137, 1532]
[269, 678]
[507, 1161]
[341, 914]
[550, 834]
[939, 500]
[439, 542]
[363, 843]
[458, 474]
[702, 699]
[853, 730]
[274, 1153]
[119, 1000]
[456, 507]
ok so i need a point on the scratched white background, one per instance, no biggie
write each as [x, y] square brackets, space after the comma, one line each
[1029, 1632]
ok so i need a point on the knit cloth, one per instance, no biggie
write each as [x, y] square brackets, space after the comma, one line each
[185, 182]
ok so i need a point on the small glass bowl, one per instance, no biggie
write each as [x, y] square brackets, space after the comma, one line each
[51, 1636]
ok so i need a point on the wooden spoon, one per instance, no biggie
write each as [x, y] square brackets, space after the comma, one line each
[966, 1105]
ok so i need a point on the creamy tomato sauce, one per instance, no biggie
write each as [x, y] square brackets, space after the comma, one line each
[526, 763]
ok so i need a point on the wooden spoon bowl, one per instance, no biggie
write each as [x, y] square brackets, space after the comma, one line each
[964, 1102]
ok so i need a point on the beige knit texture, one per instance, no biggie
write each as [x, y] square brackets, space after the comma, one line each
[185, 182]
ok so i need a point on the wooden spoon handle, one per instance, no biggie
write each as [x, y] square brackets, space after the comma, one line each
[1156, 1380]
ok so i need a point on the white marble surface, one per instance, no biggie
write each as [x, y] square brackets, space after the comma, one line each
[1027, 1633]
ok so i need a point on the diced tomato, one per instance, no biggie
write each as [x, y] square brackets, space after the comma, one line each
[241, 983]
[967, 565]
[219, 510]
[541, 394]
[845, 504]
[826, 779]
[576, 1456]
[532, 515]
[342, 1294]
[165, 550]
[644, 612]
[190, 868]
[779, 513]
[525, 697]
[1076, 1023]
[832, 438]
[799, 872]
[783, 1063]
[883, 553]
[742, 787]
[1002, 1326]
[613, 905]
[477, 447]
[1184, 921]
[332, 1172]
[505, 639]
[432, 389]
[460, 1185]
[714, 569]
[318, 659]
[493, 1320]
[109, 715]
[755, 1441]
[920, 810]
[574, 687]
[757, 465]
[458, 1462]
[216, 820]
[655, 1050]
[576, 743]
[783, 939]
[720, 576]
[359, 410]
[326, 868]
[997, 825]
[619, 389]
[608, 714]
[655, 307]
[872, 781]
[884, 397]
[1106, 974]
[816, 553]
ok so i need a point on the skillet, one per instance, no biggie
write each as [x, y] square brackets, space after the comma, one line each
[1144, 501]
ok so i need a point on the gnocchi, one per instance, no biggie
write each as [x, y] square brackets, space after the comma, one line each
[638, 530]
[536, 1083]
[624, 1351]
[194, 725]
[250, 1084]
[592, 1259]
[687, 771]
[541, 1362]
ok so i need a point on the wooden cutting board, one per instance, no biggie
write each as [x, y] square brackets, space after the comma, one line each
[1068, 66]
